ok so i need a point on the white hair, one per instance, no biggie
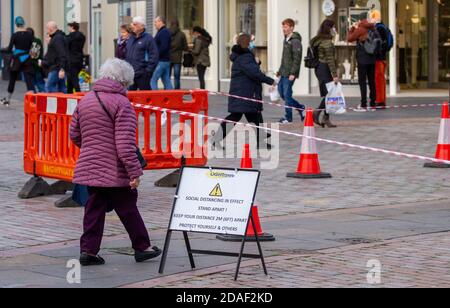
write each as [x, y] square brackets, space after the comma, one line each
[52, 25]
[139, 20]
[117, 70]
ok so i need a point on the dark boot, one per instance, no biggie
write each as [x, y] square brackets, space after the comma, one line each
[316, 116]
[327, 121]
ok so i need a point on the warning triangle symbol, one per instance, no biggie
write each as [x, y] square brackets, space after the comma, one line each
[216, 192]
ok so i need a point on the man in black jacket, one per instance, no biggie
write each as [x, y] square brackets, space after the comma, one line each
[56, 60]
[75, 44]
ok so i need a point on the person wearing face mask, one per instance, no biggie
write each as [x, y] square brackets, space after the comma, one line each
[326, 71]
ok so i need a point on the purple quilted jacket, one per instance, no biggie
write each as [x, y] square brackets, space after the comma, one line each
[108, 151]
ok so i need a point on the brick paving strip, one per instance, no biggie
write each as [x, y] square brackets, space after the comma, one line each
[416, 261]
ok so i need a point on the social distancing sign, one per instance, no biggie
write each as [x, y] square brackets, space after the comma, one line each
[215, 201]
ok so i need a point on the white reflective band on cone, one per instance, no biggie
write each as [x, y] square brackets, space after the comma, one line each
[71, 105]
[444, 133]
[52, 105]
[309, 145]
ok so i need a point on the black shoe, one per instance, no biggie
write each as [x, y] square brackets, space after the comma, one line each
[87, 260]
[142, 256]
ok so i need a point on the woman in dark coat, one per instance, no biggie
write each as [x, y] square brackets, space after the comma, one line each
[246, 81]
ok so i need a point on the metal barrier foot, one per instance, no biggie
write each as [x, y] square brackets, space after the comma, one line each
[169, 181]
[265, 237]
[66, 202]
[437, 165]
[35, 187]
[60, 188]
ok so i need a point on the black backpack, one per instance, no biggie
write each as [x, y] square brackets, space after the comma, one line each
[312, 57]
[372, 45]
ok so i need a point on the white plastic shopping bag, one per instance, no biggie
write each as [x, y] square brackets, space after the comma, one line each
[273, 92]
[335, 100]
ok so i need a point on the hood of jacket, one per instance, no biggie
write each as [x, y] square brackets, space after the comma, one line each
[367, 25]
[206, 41]
[174, 31]
[110, 86]
[238, 51]
[295, 36]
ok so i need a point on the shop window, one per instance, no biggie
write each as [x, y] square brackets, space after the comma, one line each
[345, 15]
[444, 41]
[243, 16]
[190, 13]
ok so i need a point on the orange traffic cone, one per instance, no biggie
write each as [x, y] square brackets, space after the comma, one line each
[309, 166]
[443, 148]
[247, 163]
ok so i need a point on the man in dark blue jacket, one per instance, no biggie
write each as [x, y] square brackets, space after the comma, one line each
[142, 54]
[164, 42]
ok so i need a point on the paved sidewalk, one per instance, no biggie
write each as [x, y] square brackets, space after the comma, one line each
[413, 262]
[372, 198]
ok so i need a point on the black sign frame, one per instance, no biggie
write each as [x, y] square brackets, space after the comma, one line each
[191, 251]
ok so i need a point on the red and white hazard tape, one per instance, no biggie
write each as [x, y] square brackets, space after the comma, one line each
[53, 105]
[299, 109]
[349, 145]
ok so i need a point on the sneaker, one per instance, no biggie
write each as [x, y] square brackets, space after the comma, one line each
[302, 115]
[142, 256]
[361, 109]
[5, 101]
[88, 260]
[284, 121]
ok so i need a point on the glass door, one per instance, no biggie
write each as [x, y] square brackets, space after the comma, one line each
[413, 44]
[96, 37]
[443, 40]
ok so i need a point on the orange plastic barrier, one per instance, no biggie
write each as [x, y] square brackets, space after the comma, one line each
[49, 152]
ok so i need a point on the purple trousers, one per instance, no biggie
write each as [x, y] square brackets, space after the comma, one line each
[124, 202]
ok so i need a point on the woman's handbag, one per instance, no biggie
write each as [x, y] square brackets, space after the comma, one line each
[188, 60]
[140, 157]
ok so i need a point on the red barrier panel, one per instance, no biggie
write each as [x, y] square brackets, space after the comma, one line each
[49, 152]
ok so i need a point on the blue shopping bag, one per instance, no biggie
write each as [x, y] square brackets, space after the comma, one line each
[80, 195]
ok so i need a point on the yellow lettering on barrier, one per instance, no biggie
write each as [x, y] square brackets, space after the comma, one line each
[61, 171]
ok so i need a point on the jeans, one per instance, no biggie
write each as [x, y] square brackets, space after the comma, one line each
[39, 82]
[177, 75]
[54, 84]
[285, 89]
[162, 72]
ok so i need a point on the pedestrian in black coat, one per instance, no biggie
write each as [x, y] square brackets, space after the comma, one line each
[75, 44]
[246, 81]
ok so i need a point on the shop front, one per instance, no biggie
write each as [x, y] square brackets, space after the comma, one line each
[421, 56]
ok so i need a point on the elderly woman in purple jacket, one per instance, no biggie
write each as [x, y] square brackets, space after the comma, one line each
[108, 163]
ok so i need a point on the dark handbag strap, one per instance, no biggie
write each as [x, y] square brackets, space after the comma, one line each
[104, 107]
[138, 152]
